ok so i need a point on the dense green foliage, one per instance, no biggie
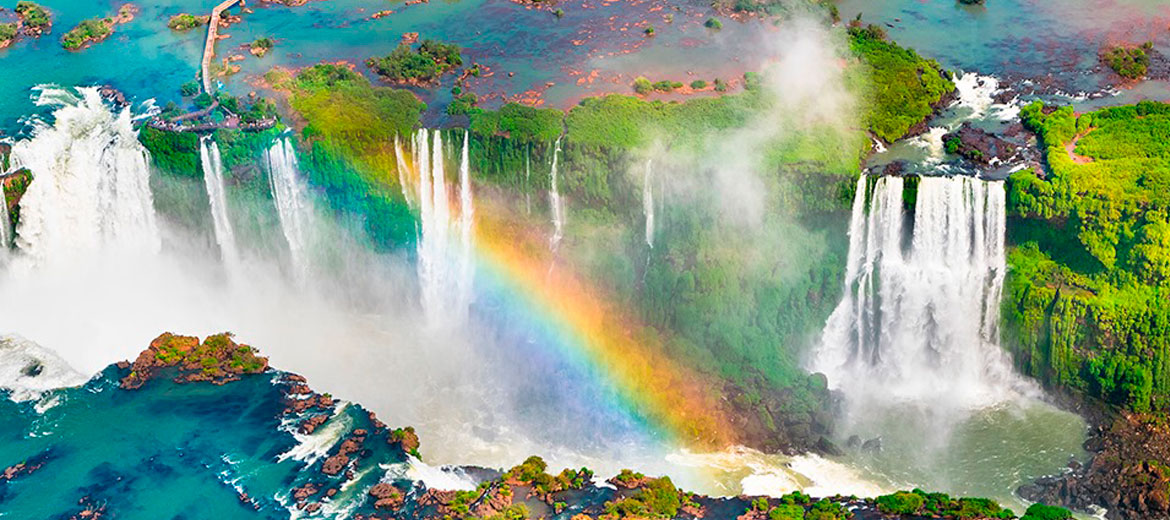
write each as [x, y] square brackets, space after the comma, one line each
[1128, 62]
[919, 502]
[1089, 292]
[1043, 512]
[901, 88]
[425, 65]
[7, 32]
[184, 21]
[657, 499]
[33, 15]
[91, 30]
[350, 130]
[175, 153]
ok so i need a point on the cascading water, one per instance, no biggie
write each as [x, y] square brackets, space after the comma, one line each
[403, 169]
[444, 271]
[5, 225]
[648, 203]
[919, 324]
[556, 206]
[90, 162]
[293, 207]
[466, 215]
[217, 195]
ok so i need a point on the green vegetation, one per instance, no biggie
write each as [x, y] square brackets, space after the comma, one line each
[919, 502]
[657, 499]
[713, 23]
[462, 104]
[643, 86]
[91, 30]
[1043, 512]
[518, 123]
[425, 65]
[648, 31]
[901, 88]
[35, 18]
[350, 128]
[7, 33]
[1128, 62]
[698, 84]
[1087, 301]
[190, 88]
[260, 46]
[184, 21]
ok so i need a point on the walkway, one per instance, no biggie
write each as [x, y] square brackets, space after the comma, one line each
[212, 35]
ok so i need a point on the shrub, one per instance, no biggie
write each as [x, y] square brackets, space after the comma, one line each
[649, 30]
[7, 31]
[713, 23]
[1128, 62]
[698, 84]
[184, 21]
[33, 15]
[643, 86]
[1044, 512]
[900, 503]
[432, 59]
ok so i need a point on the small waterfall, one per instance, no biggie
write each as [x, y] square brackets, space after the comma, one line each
[556, 206]
[919, 324]
[403, 170]
[527, 181]
[648, 203]
[91, 181]
[293, 207]
[444, 253]
[217, 195]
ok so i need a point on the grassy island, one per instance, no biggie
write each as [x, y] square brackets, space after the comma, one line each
[7, 34]
[185, 22]
[420, 66]
[1128, 62]
[35, 20]
[260, 46]
[88, 31]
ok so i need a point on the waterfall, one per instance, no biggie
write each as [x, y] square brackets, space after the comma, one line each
[403, 169]
[444, 247]
[556, 207]
[466, 215]
[648, 204]
[918, 323]
[527, 182]
[91, 181]
[217, 195]
[5, 224]
[293, 207]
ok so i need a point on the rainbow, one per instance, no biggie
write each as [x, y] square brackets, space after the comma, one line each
[581, 326]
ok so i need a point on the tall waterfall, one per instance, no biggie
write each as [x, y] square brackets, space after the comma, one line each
[466, 216]
[648, 203]
[293, 207]
[556, 206]
[217, 195]
[5, 224]
[91, 181]
[403, 169]
[919, 323]
[444, 253]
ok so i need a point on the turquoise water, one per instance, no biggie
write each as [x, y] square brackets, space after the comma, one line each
[172, 451]
[1053, 44]
[146, 60]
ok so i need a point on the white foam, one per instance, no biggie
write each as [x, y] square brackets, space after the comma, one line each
[18, 355]
[442, 477]
[310, 448]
